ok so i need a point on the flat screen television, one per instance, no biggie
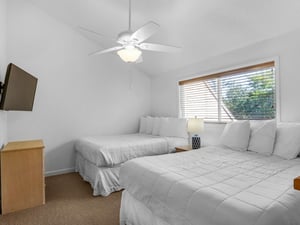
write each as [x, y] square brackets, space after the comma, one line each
[18, 90]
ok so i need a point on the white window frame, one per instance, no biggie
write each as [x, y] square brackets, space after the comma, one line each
[276, 60]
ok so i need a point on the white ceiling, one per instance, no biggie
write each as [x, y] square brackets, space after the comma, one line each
[204, 28]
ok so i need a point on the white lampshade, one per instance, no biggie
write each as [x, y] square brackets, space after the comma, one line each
[130, 54]
[195, 125]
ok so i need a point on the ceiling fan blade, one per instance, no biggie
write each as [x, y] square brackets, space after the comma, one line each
[159, 47]
[145, 32]
[94, 36]
[113, 49]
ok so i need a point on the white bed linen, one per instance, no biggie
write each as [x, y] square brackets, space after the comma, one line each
[103, 180]
[134, 212]
[109, 151]
[214, 186]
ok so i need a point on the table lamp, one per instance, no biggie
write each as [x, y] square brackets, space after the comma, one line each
[195, 126]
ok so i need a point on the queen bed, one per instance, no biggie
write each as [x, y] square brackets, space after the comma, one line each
[211, 186]
[98, 159]
[218, 185]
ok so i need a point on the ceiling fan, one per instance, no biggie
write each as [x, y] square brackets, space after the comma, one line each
[131, 44]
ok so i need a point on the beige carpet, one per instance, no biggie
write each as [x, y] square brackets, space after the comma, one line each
[69, 201]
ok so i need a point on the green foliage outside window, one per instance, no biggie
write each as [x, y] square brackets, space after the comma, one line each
[254, 99]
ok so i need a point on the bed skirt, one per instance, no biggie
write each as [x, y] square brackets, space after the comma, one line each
[103, 180]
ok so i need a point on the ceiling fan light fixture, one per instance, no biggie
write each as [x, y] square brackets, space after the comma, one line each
[130, 54]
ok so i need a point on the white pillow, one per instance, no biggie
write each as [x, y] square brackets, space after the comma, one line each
[262, 137]
[287, 143]
[149, 124]
[164, 126]
[143, 125]
[173, 127]
[178, 127]
[156, 126]
[236, 135]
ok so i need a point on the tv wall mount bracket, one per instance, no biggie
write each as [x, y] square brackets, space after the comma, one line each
[1, 87]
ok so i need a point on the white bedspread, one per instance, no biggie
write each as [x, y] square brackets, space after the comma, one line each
[215, 186]
[108, 151]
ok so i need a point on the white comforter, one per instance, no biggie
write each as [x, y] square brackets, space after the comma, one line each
[215, 186]
[109, 151]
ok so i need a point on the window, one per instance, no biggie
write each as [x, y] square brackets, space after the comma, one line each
[242, 94]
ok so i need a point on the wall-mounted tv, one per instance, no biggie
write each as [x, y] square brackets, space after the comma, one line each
[18, 90]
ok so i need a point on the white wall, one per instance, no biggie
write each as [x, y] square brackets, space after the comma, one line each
[77, 95]
[286, 47]
[3, 55]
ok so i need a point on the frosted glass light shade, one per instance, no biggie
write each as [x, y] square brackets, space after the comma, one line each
[130, 54]
[195, 125]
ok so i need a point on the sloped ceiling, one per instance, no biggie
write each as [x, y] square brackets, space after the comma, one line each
[204, 28]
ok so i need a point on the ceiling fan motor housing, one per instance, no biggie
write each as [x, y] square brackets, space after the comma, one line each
[125, 38]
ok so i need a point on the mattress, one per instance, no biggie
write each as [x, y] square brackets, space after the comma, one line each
[109, 151]
[213, 186]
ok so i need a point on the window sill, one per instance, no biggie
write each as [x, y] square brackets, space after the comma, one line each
[212, 122]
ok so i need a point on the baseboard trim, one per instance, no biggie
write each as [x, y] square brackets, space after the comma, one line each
[59, 172]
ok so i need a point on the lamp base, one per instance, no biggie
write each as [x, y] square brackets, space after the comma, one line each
[196, 142]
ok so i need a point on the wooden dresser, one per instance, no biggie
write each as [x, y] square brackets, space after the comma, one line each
[22, 175]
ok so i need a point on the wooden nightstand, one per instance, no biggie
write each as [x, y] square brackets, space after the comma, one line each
[183, 148]
[297, 183]
[22, 175]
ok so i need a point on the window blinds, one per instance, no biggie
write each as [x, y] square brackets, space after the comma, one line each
[244, 93]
